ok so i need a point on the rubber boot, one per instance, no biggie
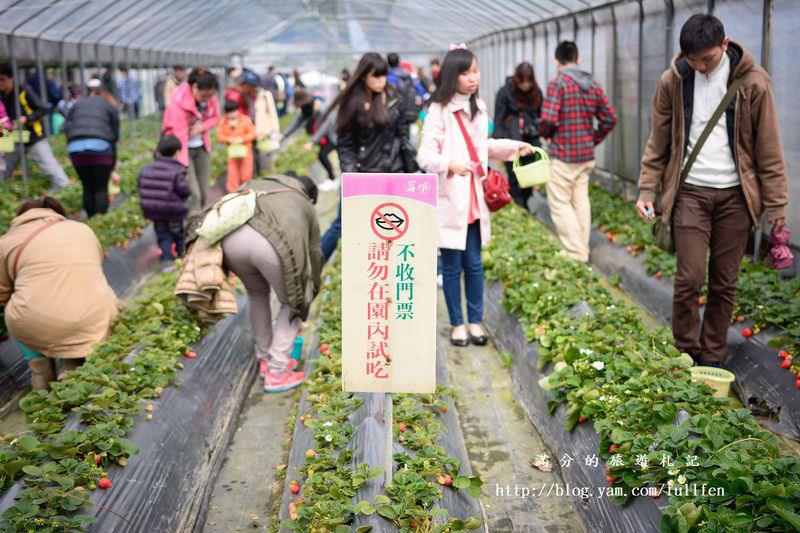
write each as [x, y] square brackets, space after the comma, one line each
[67, 365]
[42, 373]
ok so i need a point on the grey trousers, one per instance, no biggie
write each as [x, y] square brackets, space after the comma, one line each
[198, 176]
[251, 257]
[42, 155]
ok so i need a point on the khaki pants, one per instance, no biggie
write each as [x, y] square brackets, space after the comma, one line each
[568, 199]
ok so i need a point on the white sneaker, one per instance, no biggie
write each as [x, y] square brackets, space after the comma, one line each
[336, 184]
[439, 281]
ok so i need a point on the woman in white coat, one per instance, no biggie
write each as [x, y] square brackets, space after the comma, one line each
[464, 221]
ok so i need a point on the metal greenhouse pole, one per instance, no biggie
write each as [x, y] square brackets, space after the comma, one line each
[15, 70]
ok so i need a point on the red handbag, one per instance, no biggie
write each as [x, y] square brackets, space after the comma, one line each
[495, 186]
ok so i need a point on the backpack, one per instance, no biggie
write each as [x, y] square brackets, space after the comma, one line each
[410, 103]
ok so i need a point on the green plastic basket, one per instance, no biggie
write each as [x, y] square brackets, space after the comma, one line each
[237, 151]
[717, 378]
[535, 173]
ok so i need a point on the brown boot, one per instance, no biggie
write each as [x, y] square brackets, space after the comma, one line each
[68, 365]
[42, 373]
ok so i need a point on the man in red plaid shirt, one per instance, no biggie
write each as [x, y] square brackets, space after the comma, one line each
[573, 101]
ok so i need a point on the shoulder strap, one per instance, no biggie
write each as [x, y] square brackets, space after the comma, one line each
[27, 241]
[712, 122]
[473, 153]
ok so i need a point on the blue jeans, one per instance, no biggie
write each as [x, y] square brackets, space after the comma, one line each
[332, 235]
[168, 233]
[469, 261]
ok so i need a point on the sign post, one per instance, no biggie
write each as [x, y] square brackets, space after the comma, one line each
[389, 287]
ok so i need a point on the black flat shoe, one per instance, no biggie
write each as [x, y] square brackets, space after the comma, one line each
[481, 340]
[459, 342]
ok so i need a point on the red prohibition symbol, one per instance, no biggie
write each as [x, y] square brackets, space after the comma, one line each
[389, 221]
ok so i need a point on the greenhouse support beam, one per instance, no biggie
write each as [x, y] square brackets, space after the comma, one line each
[669, 16]
[640, 82]
[17, 106]
[15, 70]
[42, 84]
[766, 62]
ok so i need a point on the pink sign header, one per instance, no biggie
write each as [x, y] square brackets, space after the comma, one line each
[419, 187]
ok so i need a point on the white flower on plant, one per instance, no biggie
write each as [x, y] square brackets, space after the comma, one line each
[610, 307]
[598, 365]
[586, 351]
[328, 438]
[682, 479]
[328, 424]
[535, 285]
[673, 471]
[197, 328]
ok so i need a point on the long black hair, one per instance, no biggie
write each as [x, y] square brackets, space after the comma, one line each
[532, 98]
[455, 63]
[352, 98]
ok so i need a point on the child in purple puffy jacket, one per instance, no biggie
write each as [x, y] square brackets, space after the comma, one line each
[163, 190]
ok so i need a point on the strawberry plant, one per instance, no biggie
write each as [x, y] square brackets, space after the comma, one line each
[58, 467]
[663, 430]
[329, 480]
[763, 297]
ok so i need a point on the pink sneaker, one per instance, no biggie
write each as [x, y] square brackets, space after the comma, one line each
[263, 364]
[283, 381]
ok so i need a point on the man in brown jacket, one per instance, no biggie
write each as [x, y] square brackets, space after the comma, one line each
[738, 176]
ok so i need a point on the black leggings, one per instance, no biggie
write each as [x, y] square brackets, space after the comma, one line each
[324, 151]
[95, 187]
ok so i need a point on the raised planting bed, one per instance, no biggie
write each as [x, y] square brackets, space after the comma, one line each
[656, 429]
[59, 468]
[767, 388]
[334, 481]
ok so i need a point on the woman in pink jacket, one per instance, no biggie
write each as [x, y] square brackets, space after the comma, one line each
[463, 216]
[192, 112]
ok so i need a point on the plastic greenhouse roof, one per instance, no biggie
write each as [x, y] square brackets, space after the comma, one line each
[319, 27]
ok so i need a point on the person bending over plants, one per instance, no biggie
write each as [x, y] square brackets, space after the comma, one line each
[56, 299]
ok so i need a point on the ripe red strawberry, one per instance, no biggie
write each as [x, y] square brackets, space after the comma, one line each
[104, 483]
[658, 274]
[189, 354]
[786, 363]
[448, 480]
[740, 319]
[581, 419]
[613, 448]
[97, 459]
[797, 383]
[403, 427]
[323, 348]
[701, 300]
[783, 354]
[610, 479]
[294, 487]
[443, 410]
[747, 333]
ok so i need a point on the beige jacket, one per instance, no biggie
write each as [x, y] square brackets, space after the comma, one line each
[758, 152]
[60, 303]
[202, 285]
[266, 115]
[170, 85]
